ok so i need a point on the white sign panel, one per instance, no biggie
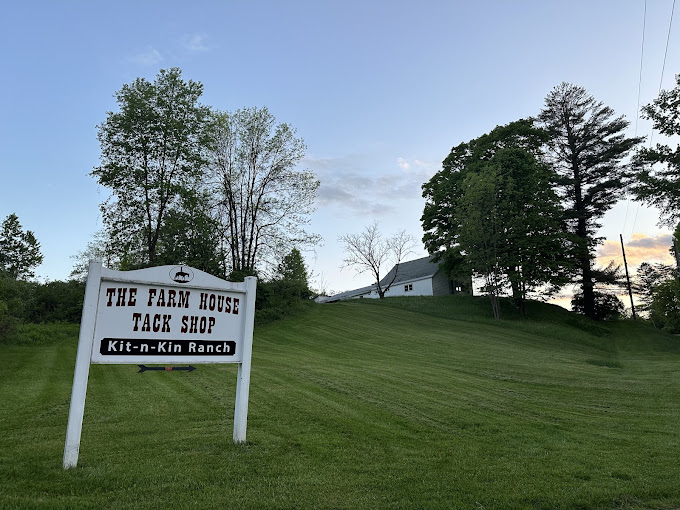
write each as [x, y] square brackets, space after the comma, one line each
[168, 314]
[144, 323]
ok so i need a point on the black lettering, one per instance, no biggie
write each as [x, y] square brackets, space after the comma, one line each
[146, 326]
[152, 294]
[135, 317]
[157, 322]
[121, 296]
[183, 299]
[133, 293]
[166, 323]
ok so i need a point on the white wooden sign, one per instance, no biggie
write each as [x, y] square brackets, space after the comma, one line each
[167, 314]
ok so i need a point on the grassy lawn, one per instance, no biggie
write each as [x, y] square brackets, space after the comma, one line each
[407, 403]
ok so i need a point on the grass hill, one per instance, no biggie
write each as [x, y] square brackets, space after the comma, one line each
[401, 403]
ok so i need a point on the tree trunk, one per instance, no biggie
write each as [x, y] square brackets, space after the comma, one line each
[588, 288]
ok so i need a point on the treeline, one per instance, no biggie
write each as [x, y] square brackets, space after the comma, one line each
[520, 207]
[285, 293]
[30, 302]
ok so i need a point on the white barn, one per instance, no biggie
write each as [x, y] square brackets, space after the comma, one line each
[420, 277]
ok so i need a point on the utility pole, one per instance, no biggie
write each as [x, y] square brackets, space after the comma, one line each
[625, 264]
[677, 256]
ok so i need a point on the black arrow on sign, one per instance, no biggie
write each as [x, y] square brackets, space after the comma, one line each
[144, 368]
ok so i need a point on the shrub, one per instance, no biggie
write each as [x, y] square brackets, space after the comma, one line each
[607, 306]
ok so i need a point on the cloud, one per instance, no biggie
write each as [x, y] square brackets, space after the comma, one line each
[150, 57]
[195, 42]
[641, 248]
[349, 184]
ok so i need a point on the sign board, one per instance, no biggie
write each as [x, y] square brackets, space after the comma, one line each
[167, 314]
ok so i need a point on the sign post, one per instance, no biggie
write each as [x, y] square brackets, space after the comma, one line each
[162, 315]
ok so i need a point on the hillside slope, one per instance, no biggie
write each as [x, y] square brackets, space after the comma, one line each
[404, 403]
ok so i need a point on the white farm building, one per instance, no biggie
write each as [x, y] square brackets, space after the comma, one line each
[420, 277]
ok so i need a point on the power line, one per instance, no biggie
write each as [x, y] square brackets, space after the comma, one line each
[668, 38]
[663, 70]
[663, 67]
[642, 55]
[637, 116]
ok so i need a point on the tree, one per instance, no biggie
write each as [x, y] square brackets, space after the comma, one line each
[369, 251]
[19, 250]
[607, 305]
[98, 248]
[291, 280]
[481, 233]
[647, 278]
[491, 211]
[587, 147]
[191, 236]
[263, 200]
[152, 152]
[665, 306]
[658, 183]
[293, 269]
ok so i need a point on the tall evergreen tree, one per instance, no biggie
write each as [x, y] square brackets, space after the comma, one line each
[588, 149]
[292, 276]
[19, 250]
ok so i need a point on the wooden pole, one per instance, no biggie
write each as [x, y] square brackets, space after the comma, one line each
[81, 373]
[677, 256]
[625, 264]
[243, 375]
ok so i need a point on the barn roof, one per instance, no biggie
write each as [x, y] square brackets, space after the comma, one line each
[406, 272]
[412, 270]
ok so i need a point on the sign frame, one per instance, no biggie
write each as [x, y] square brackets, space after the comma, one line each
[98, 320]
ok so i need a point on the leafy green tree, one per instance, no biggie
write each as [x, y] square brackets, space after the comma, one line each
[19, 250]
[152, 152]
[191, 236]
[491, 211]
[481, 233]
[57, 302]
[99, 248]
[665, 307]
[588, 149]
[647, 278]
[658, 183]
[17, 299]
[263, 201]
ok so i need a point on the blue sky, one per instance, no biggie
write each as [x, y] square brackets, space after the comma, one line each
[379, 90]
